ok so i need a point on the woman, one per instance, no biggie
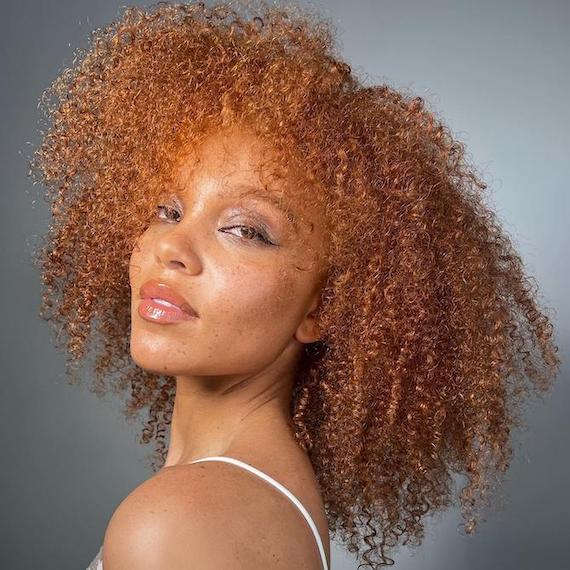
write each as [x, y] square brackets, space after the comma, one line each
[296, 273]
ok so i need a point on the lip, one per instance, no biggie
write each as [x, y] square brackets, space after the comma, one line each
[152, 310]
[154, 289]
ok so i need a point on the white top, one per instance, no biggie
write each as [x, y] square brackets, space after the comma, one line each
[97, 562]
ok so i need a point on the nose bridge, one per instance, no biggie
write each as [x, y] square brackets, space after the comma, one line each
[178, 246]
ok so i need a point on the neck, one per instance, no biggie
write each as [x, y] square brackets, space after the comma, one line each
[215, 414]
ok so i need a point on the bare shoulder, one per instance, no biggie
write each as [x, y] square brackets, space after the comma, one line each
[165, 523]
[205, 515]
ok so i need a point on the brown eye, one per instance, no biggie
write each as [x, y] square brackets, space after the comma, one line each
[253, 233]
[163, 208]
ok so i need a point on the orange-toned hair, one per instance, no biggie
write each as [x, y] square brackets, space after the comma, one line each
[432, 332]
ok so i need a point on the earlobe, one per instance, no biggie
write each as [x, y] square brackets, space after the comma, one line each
[305, 335]
[308, 330]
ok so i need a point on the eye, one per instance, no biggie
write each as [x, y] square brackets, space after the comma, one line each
[163, 208]
[253, 233]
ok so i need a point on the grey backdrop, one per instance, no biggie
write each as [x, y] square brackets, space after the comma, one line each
[497, 71]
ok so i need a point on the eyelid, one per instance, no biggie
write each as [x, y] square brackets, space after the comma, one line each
[254, 218]
[252, 195]
[174, 201]
[277, 204]
[249, 212]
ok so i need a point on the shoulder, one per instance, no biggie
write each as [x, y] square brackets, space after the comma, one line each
[204, 516]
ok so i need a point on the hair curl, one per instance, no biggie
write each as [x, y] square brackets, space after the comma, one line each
[430, 324]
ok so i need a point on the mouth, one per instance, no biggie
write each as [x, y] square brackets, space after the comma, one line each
[159, 296]
[161, 311]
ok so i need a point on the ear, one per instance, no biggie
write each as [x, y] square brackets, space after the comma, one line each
[308, 330]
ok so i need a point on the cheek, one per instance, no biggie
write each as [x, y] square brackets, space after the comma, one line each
[257, 301]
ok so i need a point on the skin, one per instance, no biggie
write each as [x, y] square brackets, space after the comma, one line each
[235, 364]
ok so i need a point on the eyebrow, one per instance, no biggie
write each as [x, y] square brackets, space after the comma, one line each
[249, 191]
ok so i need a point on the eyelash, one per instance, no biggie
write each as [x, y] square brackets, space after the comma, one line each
[260, 235]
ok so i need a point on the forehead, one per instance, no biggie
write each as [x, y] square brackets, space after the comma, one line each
[235, 162]
[237, 155]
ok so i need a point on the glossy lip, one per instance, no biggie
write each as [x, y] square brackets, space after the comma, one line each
[153, 310]
[154, 289]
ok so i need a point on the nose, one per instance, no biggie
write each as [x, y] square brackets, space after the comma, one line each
[174, 250]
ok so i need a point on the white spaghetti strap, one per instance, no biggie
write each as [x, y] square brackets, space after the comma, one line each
[281, 488]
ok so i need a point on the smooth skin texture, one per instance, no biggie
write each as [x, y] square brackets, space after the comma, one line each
[234, 367]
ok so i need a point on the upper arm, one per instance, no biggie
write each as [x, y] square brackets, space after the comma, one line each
[172, 522]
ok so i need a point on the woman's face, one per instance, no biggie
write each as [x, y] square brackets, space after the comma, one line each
[252, 274]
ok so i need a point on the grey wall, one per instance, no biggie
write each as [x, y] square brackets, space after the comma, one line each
[498, 71]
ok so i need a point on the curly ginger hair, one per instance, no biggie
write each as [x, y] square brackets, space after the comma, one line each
[432, 331]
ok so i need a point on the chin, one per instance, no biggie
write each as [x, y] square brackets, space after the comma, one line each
[152, 354]
[159, 354]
